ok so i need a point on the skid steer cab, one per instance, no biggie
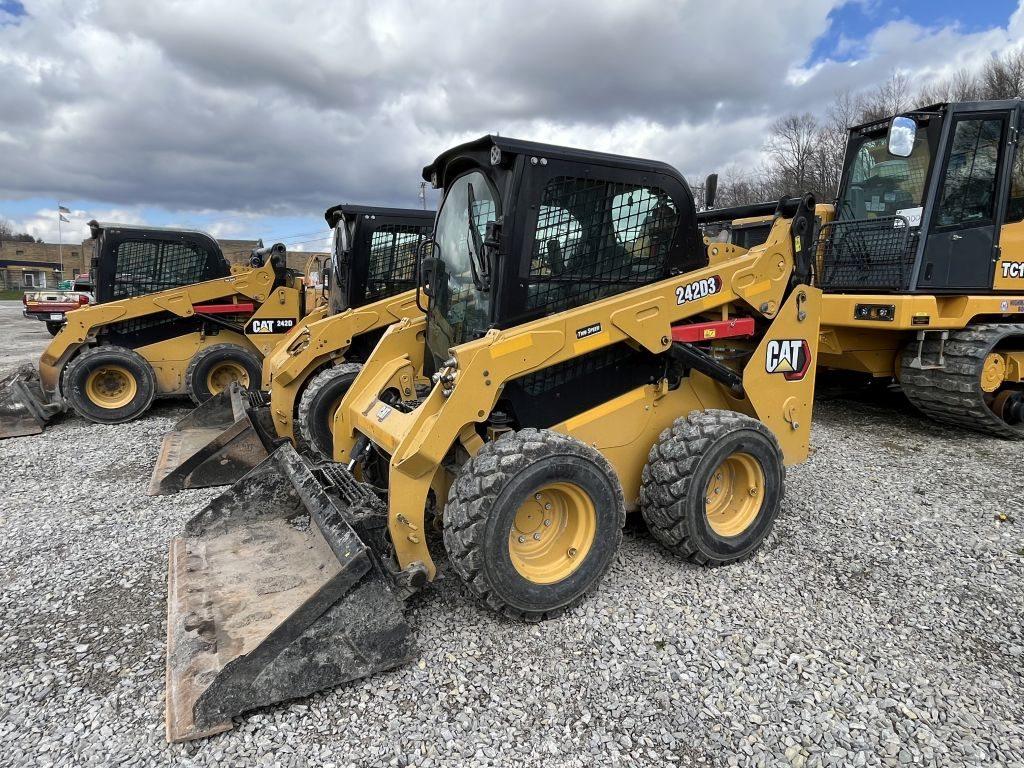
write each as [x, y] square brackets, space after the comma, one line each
[172, 319]
[580, 357]
[367, 284]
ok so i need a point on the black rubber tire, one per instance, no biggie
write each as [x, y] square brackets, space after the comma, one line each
[54, 327]
[316, 408]
[204, 361]
[76, 373]
[678, 469]
[483, 503]
[953, 394]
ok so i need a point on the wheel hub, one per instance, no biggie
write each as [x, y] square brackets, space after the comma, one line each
[993, 372]
[552, 532]
[111, 386]
[223, 375]
[734, 494]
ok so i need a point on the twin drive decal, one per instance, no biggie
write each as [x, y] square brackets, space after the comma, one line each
[790, 357]
[698, 289]
[269, 325]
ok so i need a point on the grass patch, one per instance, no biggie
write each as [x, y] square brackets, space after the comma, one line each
[16, 295]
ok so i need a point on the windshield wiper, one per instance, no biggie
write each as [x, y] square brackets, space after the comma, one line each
[477, 265]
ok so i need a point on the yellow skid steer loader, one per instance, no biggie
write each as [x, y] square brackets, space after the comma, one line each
[581, 357]
[172, 318]
[370, 284]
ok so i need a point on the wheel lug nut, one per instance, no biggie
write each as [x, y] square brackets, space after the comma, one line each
[536, 496]
[572, 552]
[522, 539]
[547, 522]
[547, 506]
[753, 491]
[536, 537]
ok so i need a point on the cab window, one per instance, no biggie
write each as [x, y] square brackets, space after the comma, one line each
[969, 188]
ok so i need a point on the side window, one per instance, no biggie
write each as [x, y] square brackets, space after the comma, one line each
[1015, 207]
[148, 266]
[597, 238]
[392, 260]
[968, 191]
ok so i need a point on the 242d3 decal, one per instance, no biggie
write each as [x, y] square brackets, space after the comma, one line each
[790, 357]
[698, 289]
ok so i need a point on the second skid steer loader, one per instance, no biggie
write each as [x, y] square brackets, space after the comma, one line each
[172, 318]
[370, 284]
[581, 357]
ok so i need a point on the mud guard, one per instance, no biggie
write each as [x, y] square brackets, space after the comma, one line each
[215, 444]
[272, 595]
[24, 409]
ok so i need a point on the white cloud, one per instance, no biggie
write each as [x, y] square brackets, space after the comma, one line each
[273, 108]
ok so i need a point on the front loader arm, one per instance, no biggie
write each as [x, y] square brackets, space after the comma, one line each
[323, 340]
[419, 440]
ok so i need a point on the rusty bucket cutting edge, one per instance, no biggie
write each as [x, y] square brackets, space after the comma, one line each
[214, 444]
[272, 595]
[24, 409]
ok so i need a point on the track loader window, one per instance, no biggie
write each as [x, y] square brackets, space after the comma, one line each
[597, 238]
[881, 184]
[1015, 207]
[148, 266]
[393, 249]
[968, 191]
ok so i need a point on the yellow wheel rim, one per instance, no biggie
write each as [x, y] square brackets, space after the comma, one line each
[223, 374]
[993, 372]
[111, 386]
[734, 495]
[552, 533]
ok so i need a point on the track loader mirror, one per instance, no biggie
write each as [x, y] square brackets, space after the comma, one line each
[902, 132]
[710, 190]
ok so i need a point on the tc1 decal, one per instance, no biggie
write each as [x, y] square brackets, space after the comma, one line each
[790, 357]
[270, 325]
[590, 330]
[699, 289]
[1013, 269]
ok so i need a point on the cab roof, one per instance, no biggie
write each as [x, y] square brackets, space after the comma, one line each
[345, 209]
[510, 146]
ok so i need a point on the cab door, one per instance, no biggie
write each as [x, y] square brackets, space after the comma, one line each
[962, 242]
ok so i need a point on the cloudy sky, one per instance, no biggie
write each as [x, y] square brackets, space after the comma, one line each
[249, 119]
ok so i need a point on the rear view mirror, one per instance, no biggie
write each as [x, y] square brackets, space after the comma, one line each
[902, 132]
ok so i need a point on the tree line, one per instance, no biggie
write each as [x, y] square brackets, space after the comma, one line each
[8, 234]
[804, 152]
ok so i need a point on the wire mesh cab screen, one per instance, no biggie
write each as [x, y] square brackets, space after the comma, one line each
[867, 254]
[597, 238]
[148, 266]
[392, 259]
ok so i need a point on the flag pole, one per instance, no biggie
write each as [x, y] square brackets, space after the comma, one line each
[60, 239]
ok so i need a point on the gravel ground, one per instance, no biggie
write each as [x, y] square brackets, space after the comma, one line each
[879, 625]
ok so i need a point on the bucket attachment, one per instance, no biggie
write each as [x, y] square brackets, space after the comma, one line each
[274, 593]
[24, 410]
[215, 444]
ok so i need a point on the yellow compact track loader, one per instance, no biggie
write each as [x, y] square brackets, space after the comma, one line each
[921, 261]
[370, 284]
[582, 356]
[172, 318]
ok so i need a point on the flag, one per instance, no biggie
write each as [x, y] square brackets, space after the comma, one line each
[62, 209]
[64, 218]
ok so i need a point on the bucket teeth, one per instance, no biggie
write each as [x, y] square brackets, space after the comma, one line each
[24, 408]
[273, 595]
[215, 444]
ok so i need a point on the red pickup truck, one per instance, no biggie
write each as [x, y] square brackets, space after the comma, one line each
[51, 306]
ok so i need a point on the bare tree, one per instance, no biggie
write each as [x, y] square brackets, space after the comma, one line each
[1002, 77]
[791, 147]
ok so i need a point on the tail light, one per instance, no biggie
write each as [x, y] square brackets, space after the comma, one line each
[83, 299]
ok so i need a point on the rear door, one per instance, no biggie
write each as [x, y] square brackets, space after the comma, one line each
[961, 247]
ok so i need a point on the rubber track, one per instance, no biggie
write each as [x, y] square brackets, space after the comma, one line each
[303, 438]
[473, 495]
[953, 394]
[669, 471]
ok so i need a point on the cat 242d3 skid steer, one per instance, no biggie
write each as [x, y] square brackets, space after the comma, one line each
[171, 318]
[370, 284]
[582, 355]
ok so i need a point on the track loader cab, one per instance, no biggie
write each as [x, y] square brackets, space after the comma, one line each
[367, 284]
[580, 357]
[924, 262]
